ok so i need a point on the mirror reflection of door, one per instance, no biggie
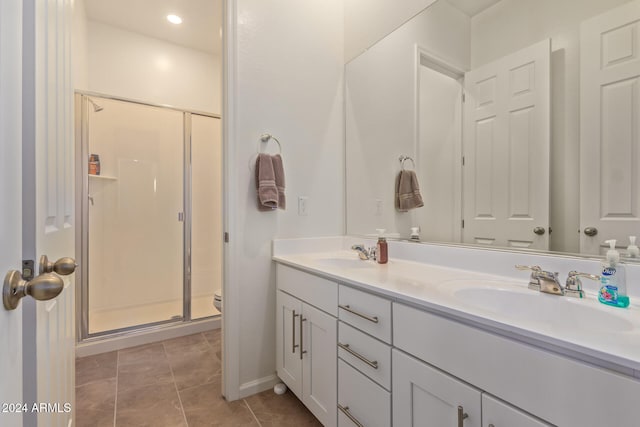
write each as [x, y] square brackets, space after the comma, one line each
[502, 191]
[506, 150]
[440, 148]
[610, 146]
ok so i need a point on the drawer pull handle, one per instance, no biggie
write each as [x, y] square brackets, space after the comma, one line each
[345, 347]
[345, 410]
[373, 319]
[461, 416]
[293, 327]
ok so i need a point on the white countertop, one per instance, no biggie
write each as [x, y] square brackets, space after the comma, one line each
[558, 323]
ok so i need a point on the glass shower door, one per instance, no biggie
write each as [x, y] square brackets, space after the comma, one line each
[135, 213]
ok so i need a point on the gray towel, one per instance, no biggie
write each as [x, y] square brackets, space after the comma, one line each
[266, 183]
[278, 169]
[407, 191]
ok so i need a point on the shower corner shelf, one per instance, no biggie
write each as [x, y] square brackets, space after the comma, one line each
[104, 177]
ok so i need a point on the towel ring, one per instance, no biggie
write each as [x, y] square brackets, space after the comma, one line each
[265, 138]
[404, 158]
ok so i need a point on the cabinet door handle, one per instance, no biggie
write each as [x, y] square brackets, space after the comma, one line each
[373, 319]
[345, 347]
[302, 351]
[345, 410]
[461, 416]
[293, 328]
[491, 425]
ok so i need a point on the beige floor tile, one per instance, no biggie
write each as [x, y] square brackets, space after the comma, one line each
[186, 344]
[195, 368]
[151, 406]
[143, 366]
[94, 368]
[285, 410]
[95, 403]
[204, 406]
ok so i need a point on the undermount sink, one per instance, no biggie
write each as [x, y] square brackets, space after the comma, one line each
[522, 304]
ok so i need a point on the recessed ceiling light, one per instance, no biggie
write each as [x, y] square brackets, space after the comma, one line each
[174, 19]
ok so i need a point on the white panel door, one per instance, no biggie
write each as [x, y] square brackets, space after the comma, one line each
[610, 113]
[506, 150]
[319, 344]
[426, 397]
[11, 212]
[48, 201]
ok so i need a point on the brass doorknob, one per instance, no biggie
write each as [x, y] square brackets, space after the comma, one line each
[539, 231]
[63, 266]
[44, 287]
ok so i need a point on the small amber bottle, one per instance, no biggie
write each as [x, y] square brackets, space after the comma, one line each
[382, 252]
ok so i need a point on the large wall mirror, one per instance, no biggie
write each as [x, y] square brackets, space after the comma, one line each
[520, 119]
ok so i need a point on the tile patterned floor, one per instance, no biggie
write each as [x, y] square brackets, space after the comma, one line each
[173, 383]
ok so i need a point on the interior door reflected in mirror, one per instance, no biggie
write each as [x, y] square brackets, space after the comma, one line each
[521, 116]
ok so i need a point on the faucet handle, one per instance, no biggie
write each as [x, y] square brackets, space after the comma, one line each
[573, 287]
[534, 268]
[534, 283]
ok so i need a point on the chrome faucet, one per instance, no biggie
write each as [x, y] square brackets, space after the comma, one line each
[543, 281]
[365, 253]
[573, 287]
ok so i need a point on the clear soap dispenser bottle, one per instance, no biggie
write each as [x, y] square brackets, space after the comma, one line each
[613, 290]
[632, 250]
[382, 252]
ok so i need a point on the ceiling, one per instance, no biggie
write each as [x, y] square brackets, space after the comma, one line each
[201, 26]
[472, 7]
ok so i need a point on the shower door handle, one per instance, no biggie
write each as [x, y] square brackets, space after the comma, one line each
[64, 266]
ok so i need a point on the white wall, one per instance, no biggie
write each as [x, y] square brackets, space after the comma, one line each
[80, 69]
[367, 21]
[514, 24]
[133, 66]
[381, 83]
[285, 78]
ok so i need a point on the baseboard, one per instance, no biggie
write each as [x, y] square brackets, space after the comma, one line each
[256, 386]
[134, 338]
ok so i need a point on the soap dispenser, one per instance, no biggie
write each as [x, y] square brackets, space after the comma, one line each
[632, 250]
[613, 286]
[382, 252]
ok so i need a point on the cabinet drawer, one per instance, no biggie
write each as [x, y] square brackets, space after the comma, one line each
[364, 400]
[497, 413]
[361, 346]
[369, 313]
[319, 292]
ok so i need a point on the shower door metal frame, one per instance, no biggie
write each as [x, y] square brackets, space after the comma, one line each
[82, 212]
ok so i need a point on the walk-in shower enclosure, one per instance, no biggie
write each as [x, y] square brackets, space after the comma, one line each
[150, 242]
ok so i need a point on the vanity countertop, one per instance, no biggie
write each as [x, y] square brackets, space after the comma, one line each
[580, 328]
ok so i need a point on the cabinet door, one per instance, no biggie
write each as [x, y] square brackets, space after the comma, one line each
[319, 365]
[498, 414]
[288, 360]
[423, 396]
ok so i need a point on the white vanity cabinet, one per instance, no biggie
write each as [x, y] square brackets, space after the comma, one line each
[424, 396]
[306, 335]
[496, 413]
[364, 350]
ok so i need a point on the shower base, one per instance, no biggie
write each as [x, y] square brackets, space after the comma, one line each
[119, 318]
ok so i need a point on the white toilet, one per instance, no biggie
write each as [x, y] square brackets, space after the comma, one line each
[217, 300]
